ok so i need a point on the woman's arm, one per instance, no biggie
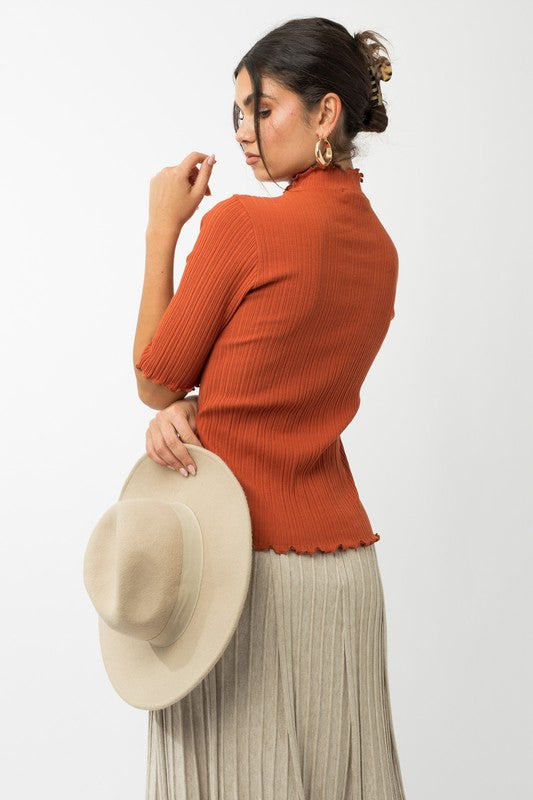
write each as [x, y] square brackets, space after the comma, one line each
[175, 194]
[158, 290]
[219, 272]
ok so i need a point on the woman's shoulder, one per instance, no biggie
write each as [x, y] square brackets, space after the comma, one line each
[226, 208]
[240, 207]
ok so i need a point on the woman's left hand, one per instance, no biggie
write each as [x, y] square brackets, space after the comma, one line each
[162, 442]
[176, 193]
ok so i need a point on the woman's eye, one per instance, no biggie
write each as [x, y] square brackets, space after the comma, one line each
[264, 113]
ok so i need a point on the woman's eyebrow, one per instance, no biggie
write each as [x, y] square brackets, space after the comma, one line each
[247, 100]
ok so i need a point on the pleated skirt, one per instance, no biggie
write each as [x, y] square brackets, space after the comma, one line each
[297, 707]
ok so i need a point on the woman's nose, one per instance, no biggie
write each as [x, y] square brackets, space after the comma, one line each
[245, 134]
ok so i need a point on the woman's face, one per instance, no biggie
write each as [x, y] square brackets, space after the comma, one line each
[287, 142]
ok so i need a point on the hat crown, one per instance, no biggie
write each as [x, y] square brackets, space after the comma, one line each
[133, 565]
[167, 568]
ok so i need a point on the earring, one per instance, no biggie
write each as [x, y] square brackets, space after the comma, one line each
[323, 160]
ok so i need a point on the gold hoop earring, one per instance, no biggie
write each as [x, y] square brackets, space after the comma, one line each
[323, 160]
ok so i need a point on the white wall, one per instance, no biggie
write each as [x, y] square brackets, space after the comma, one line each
[96, 98]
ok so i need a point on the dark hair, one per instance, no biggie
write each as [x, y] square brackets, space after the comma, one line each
[312, 56]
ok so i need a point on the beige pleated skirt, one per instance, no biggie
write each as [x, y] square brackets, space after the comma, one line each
[297, 707]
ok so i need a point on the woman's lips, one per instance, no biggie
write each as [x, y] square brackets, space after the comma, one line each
[252, 159]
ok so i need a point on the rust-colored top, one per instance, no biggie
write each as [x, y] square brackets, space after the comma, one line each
[282, 306]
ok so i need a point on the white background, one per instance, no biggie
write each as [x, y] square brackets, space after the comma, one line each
[95, 99]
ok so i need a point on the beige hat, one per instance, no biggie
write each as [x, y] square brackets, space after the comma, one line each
[167, 568]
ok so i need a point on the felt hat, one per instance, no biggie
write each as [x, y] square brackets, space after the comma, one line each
[167, 568]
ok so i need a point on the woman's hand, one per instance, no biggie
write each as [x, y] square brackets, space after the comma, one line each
[162, 443]
[176, 192]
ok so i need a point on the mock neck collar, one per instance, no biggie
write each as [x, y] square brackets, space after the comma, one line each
[317, 177]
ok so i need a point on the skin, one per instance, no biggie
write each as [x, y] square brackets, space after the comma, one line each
[175, 194]
[288, 142]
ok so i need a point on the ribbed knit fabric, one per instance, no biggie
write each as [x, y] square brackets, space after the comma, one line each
[281, 309]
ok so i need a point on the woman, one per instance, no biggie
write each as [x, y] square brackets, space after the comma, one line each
[282, 307]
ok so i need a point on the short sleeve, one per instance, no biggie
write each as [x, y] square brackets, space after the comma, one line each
[219, 271]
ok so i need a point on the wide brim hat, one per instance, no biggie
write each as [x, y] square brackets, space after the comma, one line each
[215, 517]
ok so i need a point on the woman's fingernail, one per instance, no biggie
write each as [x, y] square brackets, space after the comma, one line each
[211, 160]
[191, 469]
[184, 472]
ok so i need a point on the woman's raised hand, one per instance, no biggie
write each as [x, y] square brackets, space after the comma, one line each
[176, 193]
[162, 442]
